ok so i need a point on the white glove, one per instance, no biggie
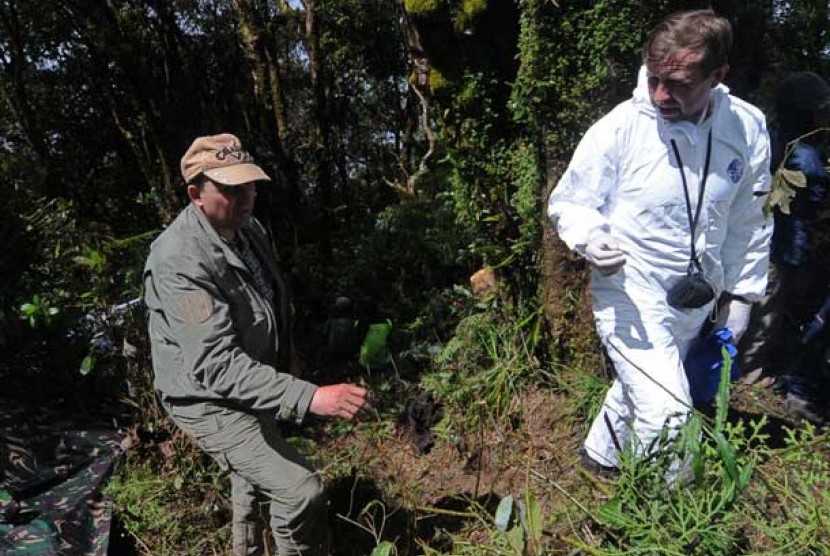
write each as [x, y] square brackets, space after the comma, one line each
[603, 252]
[735, 316]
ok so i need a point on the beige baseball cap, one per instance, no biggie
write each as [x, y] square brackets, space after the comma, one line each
[220, 158]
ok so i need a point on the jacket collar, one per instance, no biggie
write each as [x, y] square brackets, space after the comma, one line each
[213, 239]
[258, 243]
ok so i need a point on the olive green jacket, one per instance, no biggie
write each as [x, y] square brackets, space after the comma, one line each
[214, 337]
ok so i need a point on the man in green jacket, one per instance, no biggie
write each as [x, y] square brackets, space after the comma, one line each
[219, 331]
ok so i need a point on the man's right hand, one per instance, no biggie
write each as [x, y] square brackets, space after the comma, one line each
[604, 254]
[338, 400]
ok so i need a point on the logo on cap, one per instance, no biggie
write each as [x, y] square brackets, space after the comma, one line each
[236, 152]
[220, 158]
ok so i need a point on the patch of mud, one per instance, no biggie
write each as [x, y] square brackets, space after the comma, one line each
[428, 497]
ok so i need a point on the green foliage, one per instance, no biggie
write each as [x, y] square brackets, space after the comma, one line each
[575, 62]
[785, 180]
[173, 512]
[652, 508]
[473, 7]
[88, 364]
[468, 12]
[650, 511]
[782, 511]
[137, 496]
[497, 200]
[494, 165]
[793, 496]
[525, 536]
[421, 7]
[437, 81]
[484, 366]
[495, 183]
[52, 297]
[38, 311]
[374, 351]
[527, 178]
[77, 273]
[78, 264]
[397, 264]
[385, 548]
[516, 529]
[584, 391]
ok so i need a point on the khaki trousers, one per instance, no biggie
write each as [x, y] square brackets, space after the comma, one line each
[262, 465]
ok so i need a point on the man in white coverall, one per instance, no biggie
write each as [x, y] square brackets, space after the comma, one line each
[627, 203]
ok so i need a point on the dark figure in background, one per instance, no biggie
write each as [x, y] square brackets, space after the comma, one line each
[799, 267]
[341, 331]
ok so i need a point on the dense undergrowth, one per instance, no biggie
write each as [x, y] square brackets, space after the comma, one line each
[503, 416]
[756, 484]
[473, 445]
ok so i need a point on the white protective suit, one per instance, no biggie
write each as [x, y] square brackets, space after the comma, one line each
[625, 180]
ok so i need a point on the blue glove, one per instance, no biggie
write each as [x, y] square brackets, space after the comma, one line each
[704, 362]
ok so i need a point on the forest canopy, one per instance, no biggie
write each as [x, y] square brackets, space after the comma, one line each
[430, 129]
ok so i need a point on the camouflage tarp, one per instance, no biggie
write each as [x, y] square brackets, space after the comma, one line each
[52, 471]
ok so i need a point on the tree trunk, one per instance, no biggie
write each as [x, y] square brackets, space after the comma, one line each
[322, 126]
[13, 63]
[146, 133]
[260, 50]
[419, 85]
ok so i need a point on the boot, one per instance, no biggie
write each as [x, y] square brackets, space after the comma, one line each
[801, 408]
[247, 539]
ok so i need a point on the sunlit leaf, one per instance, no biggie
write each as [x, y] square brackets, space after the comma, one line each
[795, 178]
[503, 513]
[374, 350]
[88, 364]
[781, 196]
[385, 548]
[728, 456]
[534, 521]
[516, 539]
[746, 475]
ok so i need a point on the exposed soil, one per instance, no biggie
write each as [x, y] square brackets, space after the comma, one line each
[428, 496]
[448, 488]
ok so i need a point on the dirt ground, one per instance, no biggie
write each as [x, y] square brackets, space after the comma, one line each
[428, 496]
[430, 499]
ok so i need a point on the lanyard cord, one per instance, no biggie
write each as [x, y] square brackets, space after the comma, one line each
[694, 263]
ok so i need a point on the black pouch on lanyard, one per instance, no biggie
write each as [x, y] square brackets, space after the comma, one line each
[692, 290]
